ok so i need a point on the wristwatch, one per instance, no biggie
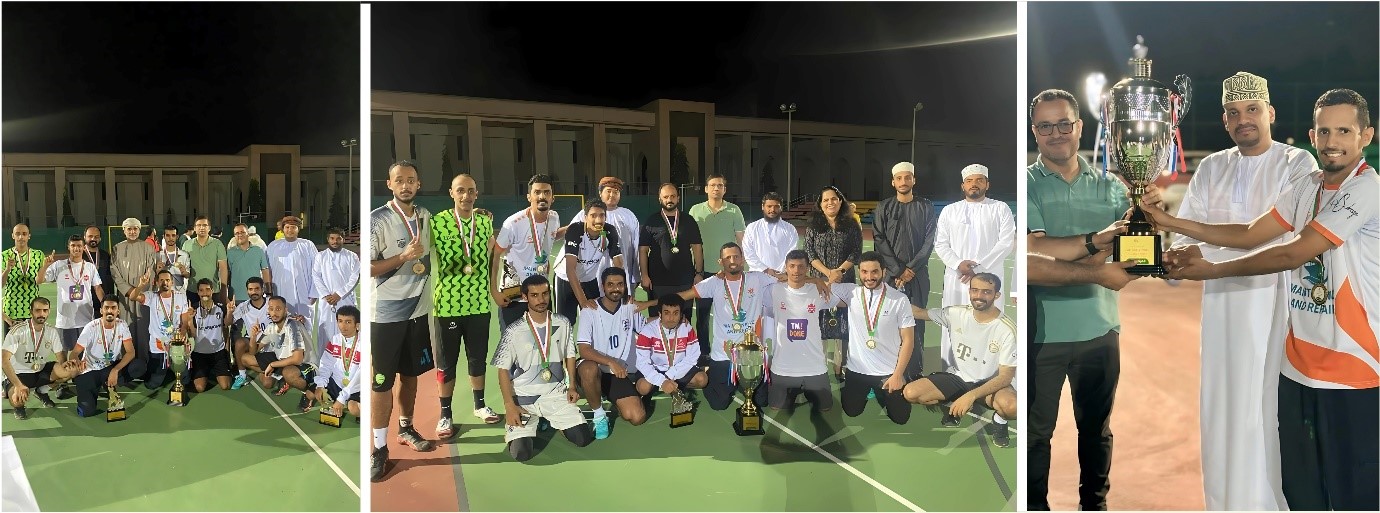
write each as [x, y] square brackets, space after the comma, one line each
[1088, 243]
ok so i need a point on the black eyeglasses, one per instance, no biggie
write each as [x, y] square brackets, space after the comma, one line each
[1065, 127]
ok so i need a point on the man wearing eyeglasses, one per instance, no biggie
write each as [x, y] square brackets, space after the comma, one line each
[1078, 330]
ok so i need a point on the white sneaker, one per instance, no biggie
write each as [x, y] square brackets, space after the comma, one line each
[444, 429]
[487, 415]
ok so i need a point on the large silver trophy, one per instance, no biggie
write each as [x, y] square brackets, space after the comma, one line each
[1142, 115]
[749, 366]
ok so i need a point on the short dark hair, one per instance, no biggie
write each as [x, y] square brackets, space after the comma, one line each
[76, 238]
[613, 271]
[532, 281]
[539, 178]
[599, 204]
[37, 300]
[989, 278]
[404, 163]
[871, 256]
[797, 254]
[671, 299]
[348, 311]
[279, 299]
[770, 196]
[172, 227]
[254, 279]
[1051, 95]
[713, 176]
[201, 217]
[729, 245]
[1345, 97]
[335, 230]
[204, 281]
[165, 271]
[111, 299]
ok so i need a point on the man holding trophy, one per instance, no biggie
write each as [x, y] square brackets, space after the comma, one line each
[668, 351]
[169, 315]
[1329, 381]
[337, 379]
[104, 347]
[523, 248]
[1240, 471]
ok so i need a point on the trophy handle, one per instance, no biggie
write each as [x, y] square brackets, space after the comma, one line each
[1185, 87]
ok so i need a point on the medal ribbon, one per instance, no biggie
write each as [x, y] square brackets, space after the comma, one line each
[673, 230]
[167, 312]
[36, 338]
[543, 343]
[736, 306]
[668, 347]
[536, 243]
[348, 353]
[80, 273]
[106, 343]
[393, 205]
[468, 240]
[871, 318]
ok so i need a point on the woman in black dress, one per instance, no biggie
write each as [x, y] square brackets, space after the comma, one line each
[834, 244]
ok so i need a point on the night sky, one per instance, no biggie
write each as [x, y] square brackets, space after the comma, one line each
[179, 78]
[1302, 49]
[858, 63]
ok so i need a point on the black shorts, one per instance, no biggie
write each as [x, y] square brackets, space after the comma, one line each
[333, 390]
[616, 388]
[473, 332]
[39, 377]
[953, 386]
[266, 358]
[209, 365]
[402, 347]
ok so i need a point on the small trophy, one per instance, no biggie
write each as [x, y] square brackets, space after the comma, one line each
[328, 418]
[682, 410]
[748, 366]
[178, 355]
[510, 287]
[115, 407]
[1142, 115]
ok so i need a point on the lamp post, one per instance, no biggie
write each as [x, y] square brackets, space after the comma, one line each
[788, 111]
[349, 179]
[913, 114]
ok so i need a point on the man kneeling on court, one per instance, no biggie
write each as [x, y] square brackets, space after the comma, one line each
[33, 359]
[104, 347]
[607, 365]
[797, 349]
[534, 357]
[668, 350]
[338, 372]
[279, 349]
[984, 356]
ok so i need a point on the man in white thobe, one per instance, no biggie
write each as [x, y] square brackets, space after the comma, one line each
[334, 275]
[767, 240]
[291, 261]
[974, 236]
[1240, 371]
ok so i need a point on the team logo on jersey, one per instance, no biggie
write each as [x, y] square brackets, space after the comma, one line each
[627, 324]
[797, 329]
[452, 325]
[402, 243]
[783, 305]
[992, 347]
[808, 309]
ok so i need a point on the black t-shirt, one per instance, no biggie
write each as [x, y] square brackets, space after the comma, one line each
[663, 266]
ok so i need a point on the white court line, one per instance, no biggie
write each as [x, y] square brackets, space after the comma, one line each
[338, 472]
[984, 419]
[909, 505]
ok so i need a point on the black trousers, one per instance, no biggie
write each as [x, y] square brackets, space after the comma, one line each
[565, 297]
[918, 292]
[1329, 447]
[703, 311]
[1093, 368]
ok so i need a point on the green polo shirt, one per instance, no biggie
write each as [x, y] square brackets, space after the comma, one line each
[717, 228]
[203, 259]
[245, 264]
[1073, 313]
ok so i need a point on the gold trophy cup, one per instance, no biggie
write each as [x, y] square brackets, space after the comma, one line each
[749, 368]
[178, 355]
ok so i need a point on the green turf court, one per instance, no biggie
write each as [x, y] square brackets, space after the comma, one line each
[231, 450]
[864, 463]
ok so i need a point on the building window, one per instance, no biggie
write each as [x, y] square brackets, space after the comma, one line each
[574, 147]
[518, 142]
[752, 158]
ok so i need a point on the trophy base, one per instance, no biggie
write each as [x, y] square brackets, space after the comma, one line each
[748, 424]
[682, 419]
[1144, 249]
[330, 420]
[511, 293]
[115, 415]
[176, 398]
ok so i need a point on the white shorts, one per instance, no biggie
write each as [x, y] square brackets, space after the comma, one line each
[555, 408]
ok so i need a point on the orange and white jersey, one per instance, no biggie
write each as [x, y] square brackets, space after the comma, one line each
[1331, 341]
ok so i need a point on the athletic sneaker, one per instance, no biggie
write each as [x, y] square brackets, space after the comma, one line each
[542, 424]
[948, 420]
[66, 392]
[305, 403]
[601, 427]
[20, 414]
[283, 389]
[871, 394]
[487, 415]
[378, 463]
[1000, 433]
[239, 382]
[410, 437]
[444, 428]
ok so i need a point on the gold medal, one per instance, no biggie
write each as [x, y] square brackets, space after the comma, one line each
[37, 366]
[419, 268]
[541, 269]
[871, 344]
[1319, 294]
[737, 327]
[469, 269]
[546, 374]
[675, 250]
[345, 382]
